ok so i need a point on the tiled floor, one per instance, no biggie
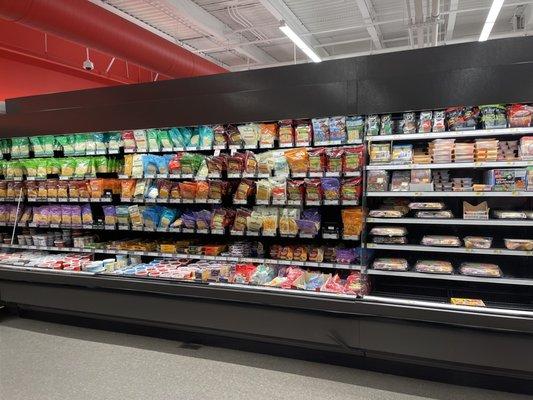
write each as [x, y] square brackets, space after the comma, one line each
[42, 361]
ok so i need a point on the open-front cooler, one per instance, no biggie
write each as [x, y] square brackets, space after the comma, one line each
[316, 207]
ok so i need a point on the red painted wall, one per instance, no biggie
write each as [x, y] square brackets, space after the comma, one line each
[33, 63]
[18, 79]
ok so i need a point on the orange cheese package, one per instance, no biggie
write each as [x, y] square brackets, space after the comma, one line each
[188, 190]
[97, 188]
[352, 220]
[127, 188]
[298, 160]
[268, 133]
[202, 190]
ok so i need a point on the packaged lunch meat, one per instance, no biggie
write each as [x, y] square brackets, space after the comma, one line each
[477, 242]
[390, 264]
[426, 205]
[433, 267]
[510, 214]
[480, 269]
[377, 181]
[519, 244]
[388, 231]
[389, 239]
[441, 240]
[387, 213]
[442, 214]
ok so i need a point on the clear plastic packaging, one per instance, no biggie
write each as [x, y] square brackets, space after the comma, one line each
[426, 205]
[400, 181]
[434, 267]
[442, 214]
[389, 239]
[477, 242]
[388, 231]
[390, 264]
[510, 214]
[386, 213]
[480, 269]
[441, 240]
[519, 244]
[377, 181]
[380, 153]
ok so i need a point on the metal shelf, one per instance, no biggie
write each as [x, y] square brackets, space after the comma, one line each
[453, 277]
[456, 165]
[451, 194]
[311, 264]
[458, 250]
[454, 134]
[452, 221]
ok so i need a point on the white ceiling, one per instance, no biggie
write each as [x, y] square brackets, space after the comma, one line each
[242, 34]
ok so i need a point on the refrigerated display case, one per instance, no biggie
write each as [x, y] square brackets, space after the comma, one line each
[164, 205]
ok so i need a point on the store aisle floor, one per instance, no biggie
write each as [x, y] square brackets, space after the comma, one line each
[45, 361]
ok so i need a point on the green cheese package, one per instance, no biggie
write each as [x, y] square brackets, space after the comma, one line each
[66, 144]
[20, 147]
[43, 146]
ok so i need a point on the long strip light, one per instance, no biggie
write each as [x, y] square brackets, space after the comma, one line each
[299, 42]
[491, 19]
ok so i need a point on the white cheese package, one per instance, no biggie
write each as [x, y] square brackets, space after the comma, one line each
[433, 267]
[390, 264]
[441, 240]
[480, 269]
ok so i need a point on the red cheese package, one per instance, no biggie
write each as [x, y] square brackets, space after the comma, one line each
[250, 163]
[334, 160]
[291, 274]
[317, 160]
[236, 163]
[245, 189]
[313, 190]
[216, 164]
[519, 115]
[303, 133]
[351, 189]
[333, 284]
[295, 190]
[286, 133]
[174, 165]
[353, 158]
[357, 284]
[243, 273]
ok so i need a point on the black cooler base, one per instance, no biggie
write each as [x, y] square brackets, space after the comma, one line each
[461, 347]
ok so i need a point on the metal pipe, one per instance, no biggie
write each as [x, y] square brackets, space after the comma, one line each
[90, 25]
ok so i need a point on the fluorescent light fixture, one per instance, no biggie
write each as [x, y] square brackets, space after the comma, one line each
[299, 42]
[491, 19]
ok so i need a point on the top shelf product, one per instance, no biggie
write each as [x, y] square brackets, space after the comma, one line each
[331, 131]
[454, 122]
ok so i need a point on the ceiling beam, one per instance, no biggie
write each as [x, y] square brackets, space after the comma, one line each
[452, 16]
[367, 11]
[281, 12]
[419, 21]
[208, 23]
